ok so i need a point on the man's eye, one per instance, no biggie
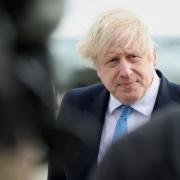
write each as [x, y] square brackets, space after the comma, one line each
[132, 56]
[114, 60]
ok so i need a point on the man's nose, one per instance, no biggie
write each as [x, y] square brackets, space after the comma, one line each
[125, 68]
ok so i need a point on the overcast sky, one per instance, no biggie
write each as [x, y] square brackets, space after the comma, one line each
[161, 16]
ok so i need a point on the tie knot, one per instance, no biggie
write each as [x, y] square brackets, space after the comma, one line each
[126, 110]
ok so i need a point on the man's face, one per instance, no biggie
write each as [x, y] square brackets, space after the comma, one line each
[127, 74]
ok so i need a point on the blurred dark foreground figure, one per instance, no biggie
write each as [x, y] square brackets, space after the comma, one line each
[149, 153]
[26, 87]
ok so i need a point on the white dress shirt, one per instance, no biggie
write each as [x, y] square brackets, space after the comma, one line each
[141, 114]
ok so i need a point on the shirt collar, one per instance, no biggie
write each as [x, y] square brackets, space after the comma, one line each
[113, 104]
[144, 105]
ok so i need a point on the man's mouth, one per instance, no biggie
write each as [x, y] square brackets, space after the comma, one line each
[130, 83]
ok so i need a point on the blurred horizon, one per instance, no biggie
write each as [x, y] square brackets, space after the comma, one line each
[72, 71]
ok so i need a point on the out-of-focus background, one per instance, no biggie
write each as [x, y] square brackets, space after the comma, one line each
[160, 16]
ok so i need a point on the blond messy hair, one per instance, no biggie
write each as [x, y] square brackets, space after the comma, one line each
[116, 25]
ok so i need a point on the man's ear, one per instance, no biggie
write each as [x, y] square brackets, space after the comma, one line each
[97, 70]
[98, 73]
[154, 56]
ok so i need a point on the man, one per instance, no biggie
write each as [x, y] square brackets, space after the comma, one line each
[123, 54]
[150, 152]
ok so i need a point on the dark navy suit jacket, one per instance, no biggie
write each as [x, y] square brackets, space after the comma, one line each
[151, 152]
[82, 115]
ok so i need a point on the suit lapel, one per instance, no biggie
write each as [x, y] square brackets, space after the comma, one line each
[163, 97]
[92, 118]
[95, 112]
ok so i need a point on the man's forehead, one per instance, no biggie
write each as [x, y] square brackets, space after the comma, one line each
[122, 50]
[122, 41]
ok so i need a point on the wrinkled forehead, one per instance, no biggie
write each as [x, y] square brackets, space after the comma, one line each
[113, 50]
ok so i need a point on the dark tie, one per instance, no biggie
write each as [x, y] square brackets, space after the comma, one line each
[121, 126]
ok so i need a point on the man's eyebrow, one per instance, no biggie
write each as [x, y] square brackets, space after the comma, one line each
[129, 51]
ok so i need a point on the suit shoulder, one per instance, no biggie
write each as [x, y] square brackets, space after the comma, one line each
[84, 92]
[170, 88]
[175, 89]
[171, 91]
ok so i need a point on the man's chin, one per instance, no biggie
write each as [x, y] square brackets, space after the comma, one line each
[127, 98]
